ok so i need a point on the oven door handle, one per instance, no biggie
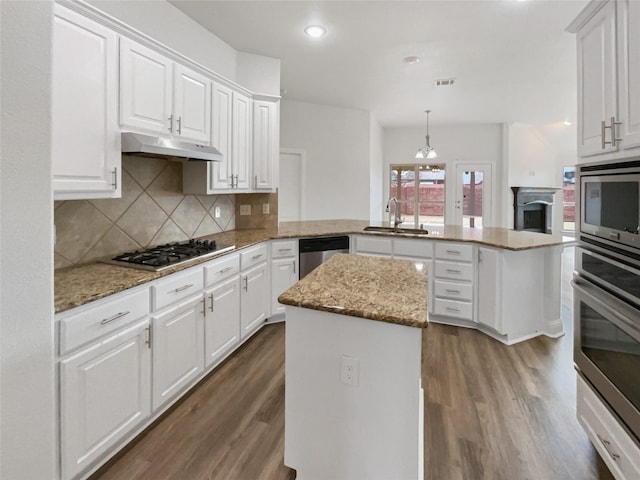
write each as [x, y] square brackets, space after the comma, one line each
[593, 293]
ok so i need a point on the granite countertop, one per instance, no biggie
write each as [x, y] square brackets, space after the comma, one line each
[78, 285]
[382, 289]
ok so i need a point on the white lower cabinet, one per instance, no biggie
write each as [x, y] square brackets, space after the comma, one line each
[284, 271]
[613, 443]
[452, 280]
[254, 298]
[104, 395]
[178, 349]
[222, 319]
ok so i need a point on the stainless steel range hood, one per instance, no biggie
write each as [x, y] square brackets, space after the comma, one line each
[150, 146]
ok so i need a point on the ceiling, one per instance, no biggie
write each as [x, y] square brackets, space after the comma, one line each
[512, 60]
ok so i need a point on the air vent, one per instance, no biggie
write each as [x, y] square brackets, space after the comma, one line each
[445, 82]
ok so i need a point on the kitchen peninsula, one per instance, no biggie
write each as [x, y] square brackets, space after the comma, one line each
[353, 391]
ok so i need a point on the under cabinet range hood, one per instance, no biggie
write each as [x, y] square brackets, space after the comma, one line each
[150, 146]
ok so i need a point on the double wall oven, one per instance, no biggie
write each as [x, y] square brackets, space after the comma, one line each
[607, 286]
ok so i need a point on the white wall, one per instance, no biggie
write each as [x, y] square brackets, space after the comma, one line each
[165, 23]
[336, 141]
[258, 73]
[480, 143]
[27, 402]
[376, 176]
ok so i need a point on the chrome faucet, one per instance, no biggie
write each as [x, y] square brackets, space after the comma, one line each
[397, 219]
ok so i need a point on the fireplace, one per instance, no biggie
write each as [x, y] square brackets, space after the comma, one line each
[532, 208]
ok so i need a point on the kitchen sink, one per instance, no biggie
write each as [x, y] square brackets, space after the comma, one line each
[413, 231]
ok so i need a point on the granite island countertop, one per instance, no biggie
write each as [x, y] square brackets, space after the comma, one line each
[81, 284]
[382, 289]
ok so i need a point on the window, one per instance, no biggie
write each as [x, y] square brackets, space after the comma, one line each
[427, 206]
[569, 199]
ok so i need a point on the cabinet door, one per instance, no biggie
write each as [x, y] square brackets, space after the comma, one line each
[629, 72]
[597, 91]
[192, 105]
[145, 89]
[222, 321]
[254, 299]
[265, 144]
[85, 133]
[104, 394]
[178, 349]
[241, 143]
[220, 172]
[489, 285]
[283, 275]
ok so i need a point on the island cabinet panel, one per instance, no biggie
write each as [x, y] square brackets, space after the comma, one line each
[222, 319]
[104, 395]
[85, 137]
[178, 349]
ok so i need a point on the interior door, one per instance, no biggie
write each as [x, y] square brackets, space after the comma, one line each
[473, 195]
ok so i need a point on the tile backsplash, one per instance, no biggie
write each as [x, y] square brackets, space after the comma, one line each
[152, 210]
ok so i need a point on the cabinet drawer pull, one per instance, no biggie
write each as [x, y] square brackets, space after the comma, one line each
[179, 125]
[255, 257]
[285, 249]
[246, 283]
[184, 287]
[453, 252]
[448, 290]
[607, 446]
[211, 305]
[225, 270]
[171, 123]
[449, 270]
[452, 309]
[115, 317]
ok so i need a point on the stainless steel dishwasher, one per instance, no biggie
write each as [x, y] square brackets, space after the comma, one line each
[314, 251]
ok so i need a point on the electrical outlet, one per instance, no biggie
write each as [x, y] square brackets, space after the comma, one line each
[245, 209]
[349, 370]
[265, 209]
[216, 212]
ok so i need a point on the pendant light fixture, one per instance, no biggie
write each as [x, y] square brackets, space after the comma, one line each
[427, 151]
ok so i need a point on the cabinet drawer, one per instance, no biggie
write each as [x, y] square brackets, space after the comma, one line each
[615, 446]
[288, 248]
[412, 248]
[456, 291]
[221, 269]
[96, 322]
[454, 251]
[177, 287]
[253, 256]
[373, 245]
[453, 308]
[454, 271]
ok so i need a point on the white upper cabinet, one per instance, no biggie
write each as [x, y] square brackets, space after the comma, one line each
[629, 72]
[608, 41]
[86, 149]
[266, 144]
[162, 97]
[231, 134]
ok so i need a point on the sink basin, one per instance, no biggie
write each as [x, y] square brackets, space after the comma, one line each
[413, 231]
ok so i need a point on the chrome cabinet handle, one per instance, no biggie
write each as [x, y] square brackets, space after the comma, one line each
[179, 125]
[285, 249]
[603, 128]
[451, 309]
[114, 184]
[246, 283]
[115, 317]
[453, 252]
[255, 257]
[149, 336]
[453, 271]
[294, 267]
[612, 127]
[171, 123]
[204, 308]
[607, 447]
[182, 288]
[211, 304]
[255, 182]
[457, 292]
[225, 270]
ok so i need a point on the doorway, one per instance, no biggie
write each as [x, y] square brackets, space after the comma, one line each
[473, 195]
[291, 202]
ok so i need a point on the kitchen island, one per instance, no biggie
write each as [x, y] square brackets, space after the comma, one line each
[353, 396]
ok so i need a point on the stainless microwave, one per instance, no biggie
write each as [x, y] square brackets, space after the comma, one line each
[610, 205]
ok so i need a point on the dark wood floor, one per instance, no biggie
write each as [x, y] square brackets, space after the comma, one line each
[491, 412]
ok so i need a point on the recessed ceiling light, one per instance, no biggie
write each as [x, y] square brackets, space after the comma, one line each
[411, 60]
[315, 31]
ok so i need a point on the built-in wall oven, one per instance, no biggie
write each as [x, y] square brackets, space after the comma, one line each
[607, 286]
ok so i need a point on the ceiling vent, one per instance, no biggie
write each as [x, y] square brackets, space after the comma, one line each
[445, 82]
